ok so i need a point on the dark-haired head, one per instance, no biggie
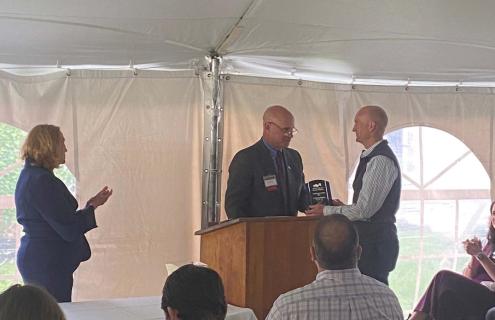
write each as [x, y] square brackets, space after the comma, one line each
[194, 293]
[28, 303]
[336, 243]
[491, 229]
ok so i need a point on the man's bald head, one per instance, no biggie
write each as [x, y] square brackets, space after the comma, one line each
[369, 125]
[336, 243]
[276, 113]
[278, 125]
[377, 115]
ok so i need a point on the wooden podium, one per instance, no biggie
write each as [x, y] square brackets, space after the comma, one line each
[260, 258]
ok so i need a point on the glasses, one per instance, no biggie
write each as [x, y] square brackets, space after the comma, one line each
[287, 131]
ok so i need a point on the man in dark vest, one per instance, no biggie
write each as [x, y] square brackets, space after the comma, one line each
[376, 198]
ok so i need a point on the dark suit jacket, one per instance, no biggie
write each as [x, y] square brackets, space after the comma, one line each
[246, 194]
[54, 243]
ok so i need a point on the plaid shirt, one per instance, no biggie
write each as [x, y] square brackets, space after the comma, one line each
[338, 294]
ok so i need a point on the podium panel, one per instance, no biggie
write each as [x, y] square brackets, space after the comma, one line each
[260, 258]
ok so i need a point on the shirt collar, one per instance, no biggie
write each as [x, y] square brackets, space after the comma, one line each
[273, 151]
[370, 149]
[28, 163]
[338, 274]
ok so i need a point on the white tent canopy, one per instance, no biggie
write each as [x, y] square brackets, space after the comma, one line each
[445, 40]
[142, 131]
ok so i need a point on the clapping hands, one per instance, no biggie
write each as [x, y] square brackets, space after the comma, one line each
[101, 197]
[472, 246]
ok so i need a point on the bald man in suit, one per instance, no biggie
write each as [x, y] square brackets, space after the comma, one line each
[267, 179]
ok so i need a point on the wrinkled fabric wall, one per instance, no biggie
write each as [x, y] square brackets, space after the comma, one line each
[142, 136]
[324, 115]
[321, 135]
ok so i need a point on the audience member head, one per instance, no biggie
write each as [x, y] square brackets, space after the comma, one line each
[278, 127]
[335, 243]
[45, 146]
[370, 123]
[28, 303]
[194, 293]
[491, 228]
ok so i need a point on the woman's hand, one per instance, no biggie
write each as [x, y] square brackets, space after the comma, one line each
[101, 197]
[472, 246]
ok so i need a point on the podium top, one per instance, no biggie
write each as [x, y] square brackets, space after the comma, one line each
[227, 223]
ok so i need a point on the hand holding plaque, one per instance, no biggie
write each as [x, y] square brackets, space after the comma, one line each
[319, 192]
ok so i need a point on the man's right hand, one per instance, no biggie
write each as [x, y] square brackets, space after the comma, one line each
[315, 210]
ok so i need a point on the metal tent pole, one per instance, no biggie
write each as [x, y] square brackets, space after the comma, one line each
[212, 145]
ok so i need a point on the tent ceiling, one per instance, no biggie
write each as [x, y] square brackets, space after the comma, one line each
[444, 40]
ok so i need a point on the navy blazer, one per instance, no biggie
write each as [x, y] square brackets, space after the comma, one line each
[246, 194]
[54, 244]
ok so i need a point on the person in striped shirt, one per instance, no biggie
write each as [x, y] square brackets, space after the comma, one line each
[340, 290]
[377, 187]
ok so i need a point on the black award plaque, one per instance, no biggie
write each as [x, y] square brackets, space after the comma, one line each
[319, 192]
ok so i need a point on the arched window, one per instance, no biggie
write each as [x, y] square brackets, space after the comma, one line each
[11, 140]
[445, 199]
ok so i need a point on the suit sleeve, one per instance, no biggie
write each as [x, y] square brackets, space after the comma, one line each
[239, 187]
[303, 200]
[51, 202]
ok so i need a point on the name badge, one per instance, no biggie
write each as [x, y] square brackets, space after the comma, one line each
[270, 182]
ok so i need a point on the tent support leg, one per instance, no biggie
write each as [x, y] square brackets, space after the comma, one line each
[212, 146]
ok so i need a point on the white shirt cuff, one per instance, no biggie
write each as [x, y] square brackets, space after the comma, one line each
[327, 210]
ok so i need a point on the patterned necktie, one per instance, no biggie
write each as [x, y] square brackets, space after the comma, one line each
[282, 178]
[280, 165]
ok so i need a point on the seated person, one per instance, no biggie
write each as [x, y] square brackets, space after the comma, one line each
[340, 291]
[490, 315]
[453, 296]
[194, 293]
[28, 303]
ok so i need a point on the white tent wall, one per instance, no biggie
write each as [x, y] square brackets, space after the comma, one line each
[142, 136]
[324, 115]
[317, 116]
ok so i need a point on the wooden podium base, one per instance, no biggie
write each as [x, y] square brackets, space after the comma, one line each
[260, 258]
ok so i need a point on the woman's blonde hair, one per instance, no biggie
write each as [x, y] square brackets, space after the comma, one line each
[28, 303]
[41, 145]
